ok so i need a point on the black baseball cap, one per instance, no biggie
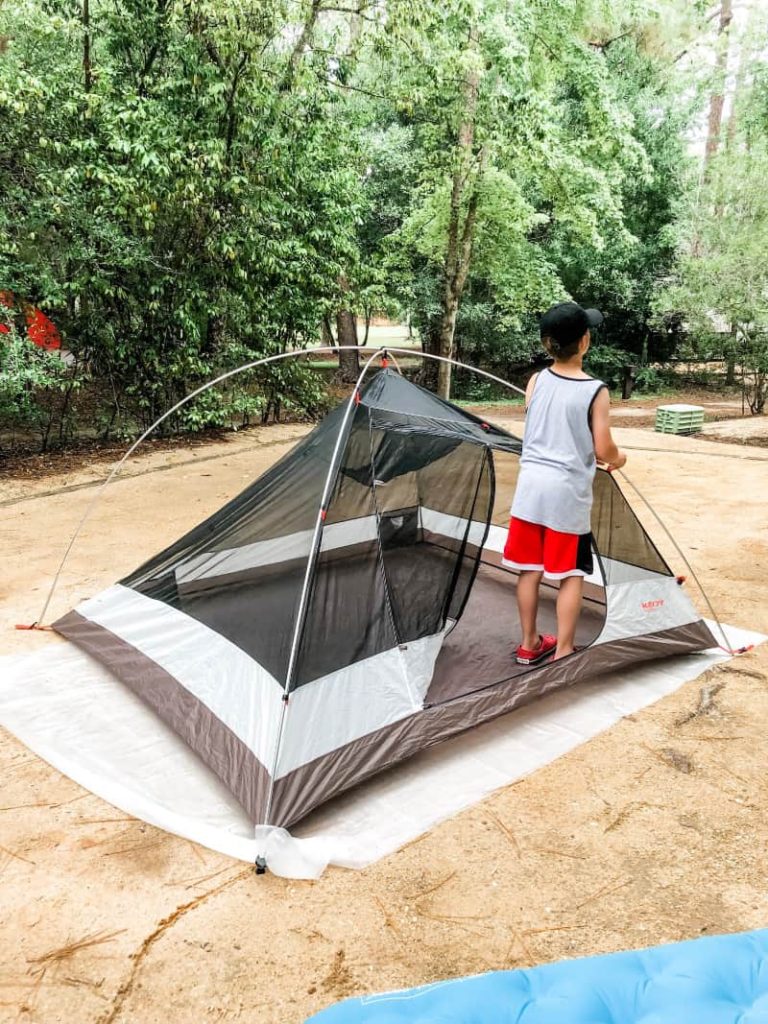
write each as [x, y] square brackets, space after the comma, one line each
[567, 322]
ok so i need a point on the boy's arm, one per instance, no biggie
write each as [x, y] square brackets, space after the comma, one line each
[605, 447]
[529, 390]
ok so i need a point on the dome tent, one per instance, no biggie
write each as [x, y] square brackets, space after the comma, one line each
[351, 607]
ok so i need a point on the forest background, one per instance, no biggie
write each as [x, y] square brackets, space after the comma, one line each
[189, 185]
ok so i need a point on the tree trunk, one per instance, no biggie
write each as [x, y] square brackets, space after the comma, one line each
[87, 70]
[304, 40]
[730, 370]
[454, 288]
[326, 334]
[460, 239]
[445, 342]
[346, 334]
[716, 99]
[430, 343]
[730, 353]
[758, 405]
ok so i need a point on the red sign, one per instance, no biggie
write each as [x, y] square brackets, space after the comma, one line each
[41, 331]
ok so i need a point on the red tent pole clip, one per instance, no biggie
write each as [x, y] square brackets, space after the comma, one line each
[32, 625]
[384, 359]
[733, 651]
[680, 580]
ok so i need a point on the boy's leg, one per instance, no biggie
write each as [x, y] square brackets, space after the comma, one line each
[528, 607]
[568, 610]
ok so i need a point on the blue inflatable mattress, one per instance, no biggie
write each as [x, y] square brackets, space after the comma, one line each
[721, 979]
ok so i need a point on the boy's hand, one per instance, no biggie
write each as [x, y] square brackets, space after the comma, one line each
[617, 463]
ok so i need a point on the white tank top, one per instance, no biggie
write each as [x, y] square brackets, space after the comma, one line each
[557, 466]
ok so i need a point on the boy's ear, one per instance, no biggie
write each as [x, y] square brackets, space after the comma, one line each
[585, 343]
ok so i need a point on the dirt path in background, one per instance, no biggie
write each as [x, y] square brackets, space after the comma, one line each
[651, 832]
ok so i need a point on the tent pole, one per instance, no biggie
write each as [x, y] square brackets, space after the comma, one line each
[175, 408]
[463, 366]
[301, 614]
[39, 623]
[333, 469]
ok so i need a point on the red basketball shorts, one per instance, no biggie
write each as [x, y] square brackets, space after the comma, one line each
[535, 547]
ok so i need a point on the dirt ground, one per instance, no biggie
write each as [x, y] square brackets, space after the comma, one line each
[653, 831]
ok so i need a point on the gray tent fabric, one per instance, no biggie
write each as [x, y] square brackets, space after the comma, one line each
[299, 647]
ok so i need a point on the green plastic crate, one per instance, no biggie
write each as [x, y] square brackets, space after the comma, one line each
[679, 419]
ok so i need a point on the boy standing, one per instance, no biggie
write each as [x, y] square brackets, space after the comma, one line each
[566, 432]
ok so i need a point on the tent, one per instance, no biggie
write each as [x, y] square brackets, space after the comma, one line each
[351, 607]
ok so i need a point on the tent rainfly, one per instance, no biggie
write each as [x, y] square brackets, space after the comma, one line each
[351, 607]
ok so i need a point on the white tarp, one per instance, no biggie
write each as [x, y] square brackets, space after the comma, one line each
[68, 709]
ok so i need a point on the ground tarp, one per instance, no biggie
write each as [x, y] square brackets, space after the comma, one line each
[69, 710]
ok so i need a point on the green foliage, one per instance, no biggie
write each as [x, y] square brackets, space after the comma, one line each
[581, 121]
[648, 379]
[189, 202]
[719, 287]
[34, 386]
[621, 275]
[204, 184]
[607, 363]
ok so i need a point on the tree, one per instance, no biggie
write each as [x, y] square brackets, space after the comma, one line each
[175, 190]
[524, 135]
[621, 275]
[720, 286]
[717, 97]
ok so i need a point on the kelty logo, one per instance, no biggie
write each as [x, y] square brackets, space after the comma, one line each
[649, 606]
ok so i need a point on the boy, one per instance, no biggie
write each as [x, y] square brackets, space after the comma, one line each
[566, 433]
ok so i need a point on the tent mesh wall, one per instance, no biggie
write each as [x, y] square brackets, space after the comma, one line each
[403, 580]
[241, 571]
[394, 563]
[413, 496]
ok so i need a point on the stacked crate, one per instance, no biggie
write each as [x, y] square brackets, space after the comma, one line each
[679, 419]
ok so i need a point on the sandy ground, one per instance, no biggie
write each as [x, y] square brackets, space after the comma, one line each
[753, 428]
[654, 831]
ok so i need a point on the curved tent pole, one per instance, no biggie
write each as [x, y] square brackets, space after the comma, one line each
[199, 391]
[314, 549]
[388, 354]
[462, 366]
[175, 408]
[726, 646]
[287, 355]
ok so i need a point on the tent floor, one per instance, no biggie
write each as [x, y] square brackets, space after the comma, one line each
[477, 653]
[480, 650]
[256, 614]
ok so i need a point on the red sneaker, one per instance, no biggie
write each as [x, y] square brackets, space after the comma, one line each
[547, 645]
